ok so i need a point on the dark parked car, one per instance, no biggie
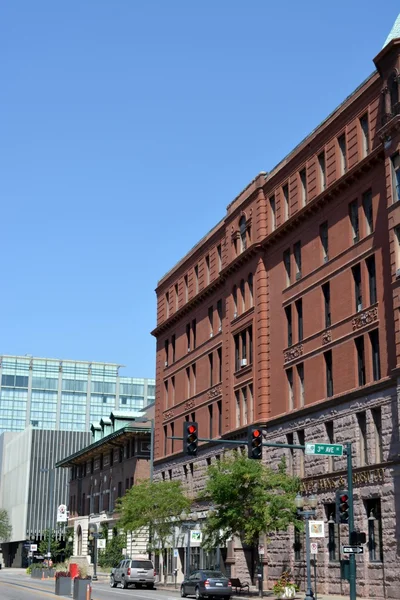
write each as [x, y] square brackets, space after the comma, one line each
[206, 584]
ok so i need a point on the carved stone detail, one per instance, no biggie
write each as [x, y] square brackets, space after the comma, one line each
[365, 318]
[190, 404]
[327, 337]
[214, 392]
[293, 353]
[168, 414]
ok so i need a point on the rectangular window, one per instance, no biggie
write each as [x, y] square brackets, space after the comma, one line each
[166, 393]
[165, 441]
[237, 397]
[173, 389]
[299, 309]
[397, 249]
[300, 375]
[250, 288]
[370, 262]
[342, 153]
[186, 282]
[323, 236]
[194, 333]
[210, 421]
[219, 409]
[357, 286]
[251, 404]
[173, 344]
[172, 435]
[353, 214]
[219, 256]
[288, 312]
[298, 547]
[377, 423]
[194, 379]
[329, 373]
[364, 134]
[289, 376]
[362, 436]
[395, 163]
[297, 258]
[219, 314]
[368, 211]
[285, 191]
[244, 406]
[375, 547]
[219, 354]
[376, 365]
[290, 442]
[187, 382]
[207, 269]
[211, 369]
[359, 342]
[166, 352]
[167, 304]
[326, 291]
[188, 336]
[210, 320]
[273, 212]
[176, 297]
[237, 352]
[333, 533]
[243, 348]
[286, 262]
[196, 278]
[322, 171]
[303, 187]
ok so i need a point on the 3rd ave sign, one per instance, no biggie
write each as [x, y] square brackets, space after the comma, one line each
[324, 449]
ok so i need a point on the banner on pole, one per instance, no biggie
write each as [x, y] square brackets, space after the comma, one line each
[62, 515]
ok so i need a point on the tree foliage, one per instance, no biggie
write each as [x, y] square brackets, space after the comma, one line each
[5, 526]
[153, 505]
[248, 499]
[54, 545]
[115, 543]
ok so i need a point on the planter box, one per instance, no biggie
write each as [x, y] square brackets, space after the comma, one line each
[81, 588]
[36, 573]
[63, 586]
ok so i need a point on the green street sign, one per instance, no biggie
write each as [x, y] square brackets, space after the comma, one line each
[324, 449]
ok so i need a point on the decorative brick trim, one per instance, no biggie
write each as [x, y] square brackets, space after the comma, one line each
[293, 353]
[326, 337]
[365, 318]
[214, 392]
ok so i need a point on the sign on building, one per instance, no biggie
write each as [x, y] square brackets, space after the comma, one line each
[316, 529]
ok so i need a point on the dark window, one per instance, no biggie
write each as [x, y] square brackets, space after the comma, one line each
[333, 533]
[297, 545]
[219, 408]
[243, 348]
[186, 288]
[297, 258]
[288, 312]
[235, 306]
[237, 352]
[362, 431]
[207, 269]
[377, 421]
[210, 420]
[121, 455]
[194, 332]
[394, 92]
[376, 365]
[323, 235]
[166, 349]
[219, 253]
[326, 291]
[322, 171]
[101, 462]
[211, 366]
[289, 376]
[353, 215]
[375, 546]
[172, 435]
[250, 284]
[368, 211]
[173, 388]
[286, 261]
[211, 319]
[243, 295]
[167, 303]
[300, 373]
[365, 134]
[219, 354]
[173, 339]
[176, 296]
[285, 190]
[299, 308]
[372, 278]
[219, 313]
[188, 336]
[357, 286]
[273, 213]
[196, 278]
[165, 441]
[329, 373]
[395, 160]
[303, 186]
[119, 490]
[21, 381]
[242, 231]
[343, 153]
[166, 393]
[360, 360]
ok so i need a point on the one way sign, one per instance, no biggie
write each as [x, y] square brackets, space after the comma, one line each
[352, 550]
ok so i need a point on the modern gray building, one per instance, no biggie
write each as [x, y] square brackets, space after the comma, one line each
[31, 488]
[65, 394]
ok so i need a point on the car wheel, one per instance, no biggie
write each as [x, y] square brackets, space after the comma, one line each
[198, 594]
[112, 581]
[124, 584]
[183, 595]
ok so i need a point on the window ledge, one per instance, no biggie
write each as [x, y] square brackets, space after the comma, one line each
[246, 369]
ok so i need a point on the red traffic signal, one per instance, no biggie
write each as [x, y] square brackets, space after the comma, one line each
[254, 443]
[190, 438]
[342, 507]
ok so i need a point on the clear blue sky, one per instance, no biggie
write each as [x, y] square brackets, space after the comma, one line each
[126, 128]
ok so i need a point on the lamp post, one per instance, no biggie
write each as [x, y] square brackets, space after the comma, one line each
[51, 508]
[188, 521]
[93, 537]
[307, 515]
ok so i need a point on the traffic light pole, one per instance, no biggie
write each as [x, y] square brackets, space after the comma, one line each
[352, 558]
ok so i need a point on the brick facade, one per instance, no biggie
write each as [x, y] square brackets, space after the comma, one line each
[286, 315]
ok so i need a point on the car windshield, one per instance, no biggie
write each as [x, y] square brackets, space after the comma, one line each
[142, 564]
[213, 574]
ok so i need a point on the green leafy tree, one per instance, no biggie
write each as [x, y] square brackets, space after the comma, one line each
[54, 545]
[153, 505]
[5, 527]
[249, 500]
[112, 554]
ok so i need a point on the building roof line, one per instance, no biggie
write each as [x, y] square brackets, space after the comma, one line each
[63, 360]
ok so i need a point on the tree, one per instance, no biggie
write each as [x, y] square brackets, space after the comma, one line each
[54, 545]
[248, 500]
[111, 555]
[5, 526]
[153, 505]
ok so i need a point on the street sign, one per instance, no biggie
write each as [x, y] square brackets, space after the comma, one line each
[324, 449]
[101, 544]
[353, 550]
[261, 549]
[314, 548]
[316, 529]
[33, 547]
[176, 553]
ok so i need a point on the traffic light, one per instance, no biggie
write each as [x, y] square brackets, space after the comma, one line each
[254, 443]
[342, 507]
[190, 438]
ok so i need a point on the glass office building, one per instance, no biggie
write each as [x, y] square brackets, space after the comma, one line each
[65, 394]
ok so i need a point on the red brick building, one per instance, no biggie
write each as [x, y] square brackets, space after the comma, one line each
[286, 315]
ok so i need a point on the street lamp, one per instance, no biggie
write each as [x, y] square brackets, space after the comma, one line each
[307, 515]
[51, 508]
[93, 537]
[187, 520]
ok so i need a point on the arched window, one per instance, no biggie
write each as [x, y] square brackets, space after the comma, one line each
[393, 91]
[243, 295]
[250, 283]
[79, 540]
[242, 231]
[234, 296]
